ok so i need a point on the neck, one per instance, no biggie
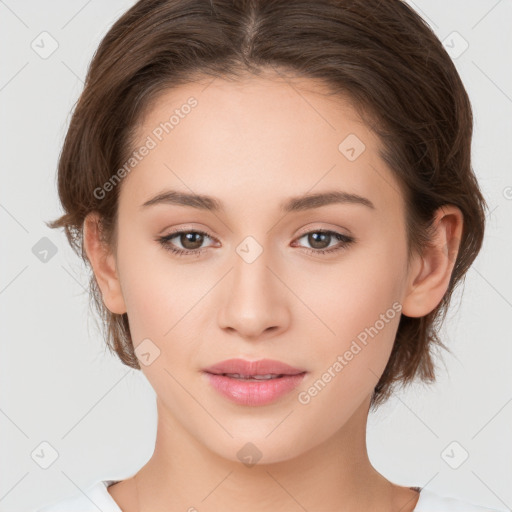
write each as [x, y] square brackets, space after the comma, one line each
[183, 474]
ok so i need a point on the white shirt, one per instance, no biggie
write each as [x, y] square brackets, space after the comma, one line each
[97, 497]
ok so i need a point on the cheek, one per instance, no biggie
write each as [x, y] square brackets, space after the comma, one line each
[155, 291]
[359, 303]
[349, 296]
[163, 304]
[348, 366]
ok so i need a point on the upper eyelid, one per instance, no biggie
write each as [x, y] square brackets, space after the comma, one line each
[172, 234]
[298, 236]
[336, 229]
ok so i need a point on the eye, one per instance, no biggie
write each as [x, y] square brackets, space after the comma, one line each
[320, 240]
[190, 241]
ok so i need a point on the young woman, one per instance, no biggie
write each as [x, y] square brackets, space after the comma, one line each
[276, 200]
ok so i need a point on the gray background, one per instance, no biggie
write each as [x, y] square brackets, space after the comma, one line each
[59, 386]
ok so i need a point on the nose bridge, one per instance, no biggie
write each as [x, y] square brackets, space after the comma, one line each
[251, 272]
[254, 299]
[251, 275]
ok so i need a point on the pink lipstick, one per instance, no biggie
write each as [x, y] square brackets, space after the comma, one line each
[253, 382]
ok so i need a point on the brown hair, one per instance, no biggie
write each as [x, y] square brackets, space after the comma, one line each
[380, 54]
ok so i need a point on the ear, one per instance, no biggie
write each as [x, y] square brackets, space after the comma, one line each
[104, 265]
[430, 272]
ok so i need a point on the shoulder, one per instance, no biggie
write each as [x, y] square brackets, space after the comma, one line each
[93, 498]
[432, 502]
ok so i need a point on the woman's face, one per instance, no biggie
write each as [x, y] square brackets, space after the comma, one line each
[256, 285]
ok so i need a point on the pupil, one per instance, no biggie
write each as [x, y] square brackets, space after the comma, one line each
[313, 239]
[196, 240]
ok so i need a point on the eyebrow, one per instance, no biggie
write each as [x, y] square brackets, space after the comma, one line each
[293, 204]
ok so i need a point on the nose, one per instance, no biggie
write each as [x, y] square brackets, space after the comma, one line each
[254, 299]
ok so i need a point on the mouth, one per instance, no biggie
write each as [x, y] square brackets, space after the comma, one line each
[253, 382]
[262, 368]
[251, 377]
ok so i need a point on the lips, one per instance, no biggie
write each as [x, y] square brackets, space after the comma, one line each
[264, 368]
[253, 383]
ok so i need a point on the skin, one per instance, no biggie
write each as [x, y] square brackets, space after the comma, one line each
[252, 144]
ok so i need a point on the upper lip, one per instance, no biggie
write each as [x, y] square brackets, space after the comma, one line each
[250, 368]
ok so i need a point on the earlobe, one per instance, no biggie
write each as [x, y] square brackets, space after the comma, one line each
[103, 264]
[430, 273]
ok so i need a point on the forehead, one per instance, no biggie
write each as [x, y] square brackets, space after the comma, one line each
[256, 139]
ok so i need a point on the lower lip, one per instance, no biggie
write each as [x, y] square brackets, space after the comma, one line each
[254, 392]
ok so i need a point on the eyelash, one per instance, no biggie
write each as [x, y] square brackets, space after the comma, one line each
[165, 242]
